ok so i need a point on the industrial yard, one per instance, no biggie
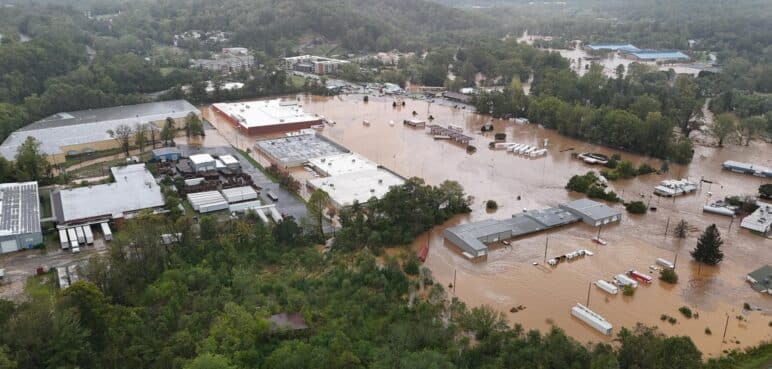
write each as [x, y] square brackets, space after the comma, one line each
[508, 278]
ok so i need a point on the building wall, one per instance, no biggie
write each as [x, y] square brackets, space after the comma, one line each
[22, 241]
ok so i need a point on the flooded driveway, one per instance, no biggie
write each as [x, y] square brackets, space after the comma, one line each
[509, 279]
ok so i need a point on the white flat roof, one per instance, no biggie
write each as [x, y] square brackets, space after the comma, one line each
[19, 208]
[134, 189]
[228, 159]
[342, 163]
[361, 186]
[265, 113]
[201, 159]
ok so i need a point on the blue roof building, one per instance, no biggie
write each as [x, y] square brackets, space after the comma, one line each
[659, 55]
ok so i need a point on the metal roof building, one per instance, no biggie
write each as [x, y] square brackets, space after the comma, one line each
[293, 151]
[19, 216]
[134, 189]
[592, 212]
[84, 131]
[761, 279]
[760, 220]
[746, 168]
[473, 237]
[614, 47]
[659, 55]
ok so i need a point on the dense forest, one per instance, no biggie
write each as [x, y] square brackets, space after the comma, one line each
[209, 301]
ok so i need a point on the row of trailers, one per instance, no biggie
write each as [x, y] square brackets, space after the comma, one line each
[72, 238]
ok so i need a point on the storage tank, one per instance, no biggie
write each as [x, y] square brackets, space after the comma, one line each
[664, 263]
[625, 280]
[592, 319]
[607, 287]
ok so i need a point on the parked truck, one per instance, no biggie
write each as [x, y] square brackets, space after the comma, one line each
[63, 240]
[108, 234]
[73, 236]
[88, 234]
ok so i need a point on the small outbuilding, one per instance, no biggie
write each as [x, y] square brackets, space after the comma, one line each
[761, 279]
[203, 162]
[164, 154]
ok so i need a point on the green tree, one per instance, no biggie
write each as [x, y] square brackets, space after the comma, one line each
[681, 229]
[31, 162]
[168, 131]
[122, 134]
[209, 361]
[140, 136]
[317, 205]
[752, 126]
[722, 127]
[483, 321]
[193, 126]
[708, 249]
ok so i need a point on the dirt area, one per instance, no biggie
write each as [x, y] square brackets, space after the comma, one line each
[508, 277]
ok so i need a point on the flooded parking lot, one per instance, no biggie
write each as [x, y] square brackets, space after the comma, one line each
[507, 278]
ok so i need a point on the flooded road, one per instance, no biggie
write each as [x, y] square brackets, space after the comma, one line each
[509, 279]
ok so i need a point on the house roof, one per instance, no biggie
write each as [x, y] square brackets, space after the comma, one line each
[762, 278]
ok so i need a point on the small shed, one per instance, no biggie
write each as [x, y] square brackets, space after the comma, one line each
[203, 162]
[164, 154]
[761, 279]
[283, 322]
[230, 162]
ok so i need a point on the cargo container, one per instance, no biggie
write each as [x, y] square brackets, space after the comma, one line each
[607, 287]
[72, 270]
[88, 234]
[624, 280]
[79, 234]
[592, 319]
[638, 276]
[275, 215]
[108, 234]
[73, 236]
[61, 275]
[63, 240]
[664, 263]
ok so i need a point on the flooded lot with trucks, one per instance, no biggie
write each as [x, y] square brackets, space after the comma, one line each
[508, 278]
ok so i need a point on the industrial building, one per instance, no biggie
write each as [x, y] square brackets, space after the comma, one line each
[82, 132]
[761, 279]
[231, 59]
[292, 151]
[313, 64]
[230, 162]
[341, 164]
[360, 186]
[472, 238]
[592, 212]
[20, 216]
[673, 188]
[134, 190]
[613, 47]
[746, 168]
[266, 116]
[760, 220]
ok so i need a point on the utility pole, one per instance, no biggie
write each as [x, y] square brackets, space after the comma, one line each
[730, 224]
[545, 249]
[667, 225]
[454, 282]
[589, 288]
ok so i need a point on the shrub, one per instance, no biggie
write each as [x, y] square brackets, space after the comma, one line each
[668, 275]
[491, 205]
[746, 306]
[708, 331]
[612, 196]
[628, 290]
[611, 175]
[626, 169]
[582, 183]
[645, 169]
[612, 163]
[663, 317]
[636, 207]
[366, 98]
[596, 192]
[672, 320]
[412, 266]
[686, 312]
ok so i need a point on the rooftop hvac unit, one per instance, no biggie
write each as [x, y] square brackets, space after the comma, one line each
[380, 181]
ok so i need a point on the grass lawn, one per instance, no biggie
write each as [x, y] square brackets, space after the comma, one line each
[297, 81]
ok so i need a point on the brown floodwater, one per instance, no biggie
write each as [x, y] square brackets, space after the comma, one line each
[507, 278]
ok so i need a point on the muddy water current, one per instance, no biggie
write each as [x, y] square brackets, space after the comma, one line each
[508, 277]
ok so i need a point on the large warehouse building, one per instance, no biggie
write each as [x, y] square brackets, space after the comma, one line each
[19, 216]
[134, 190]
[297, 150]
[267, 116]
[85, 131]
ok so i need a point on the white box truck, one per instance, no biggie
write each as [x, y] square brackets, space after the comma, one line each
[592, 319]
[63, 240]
[108, 234]
[72, 235]
[89, 235]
